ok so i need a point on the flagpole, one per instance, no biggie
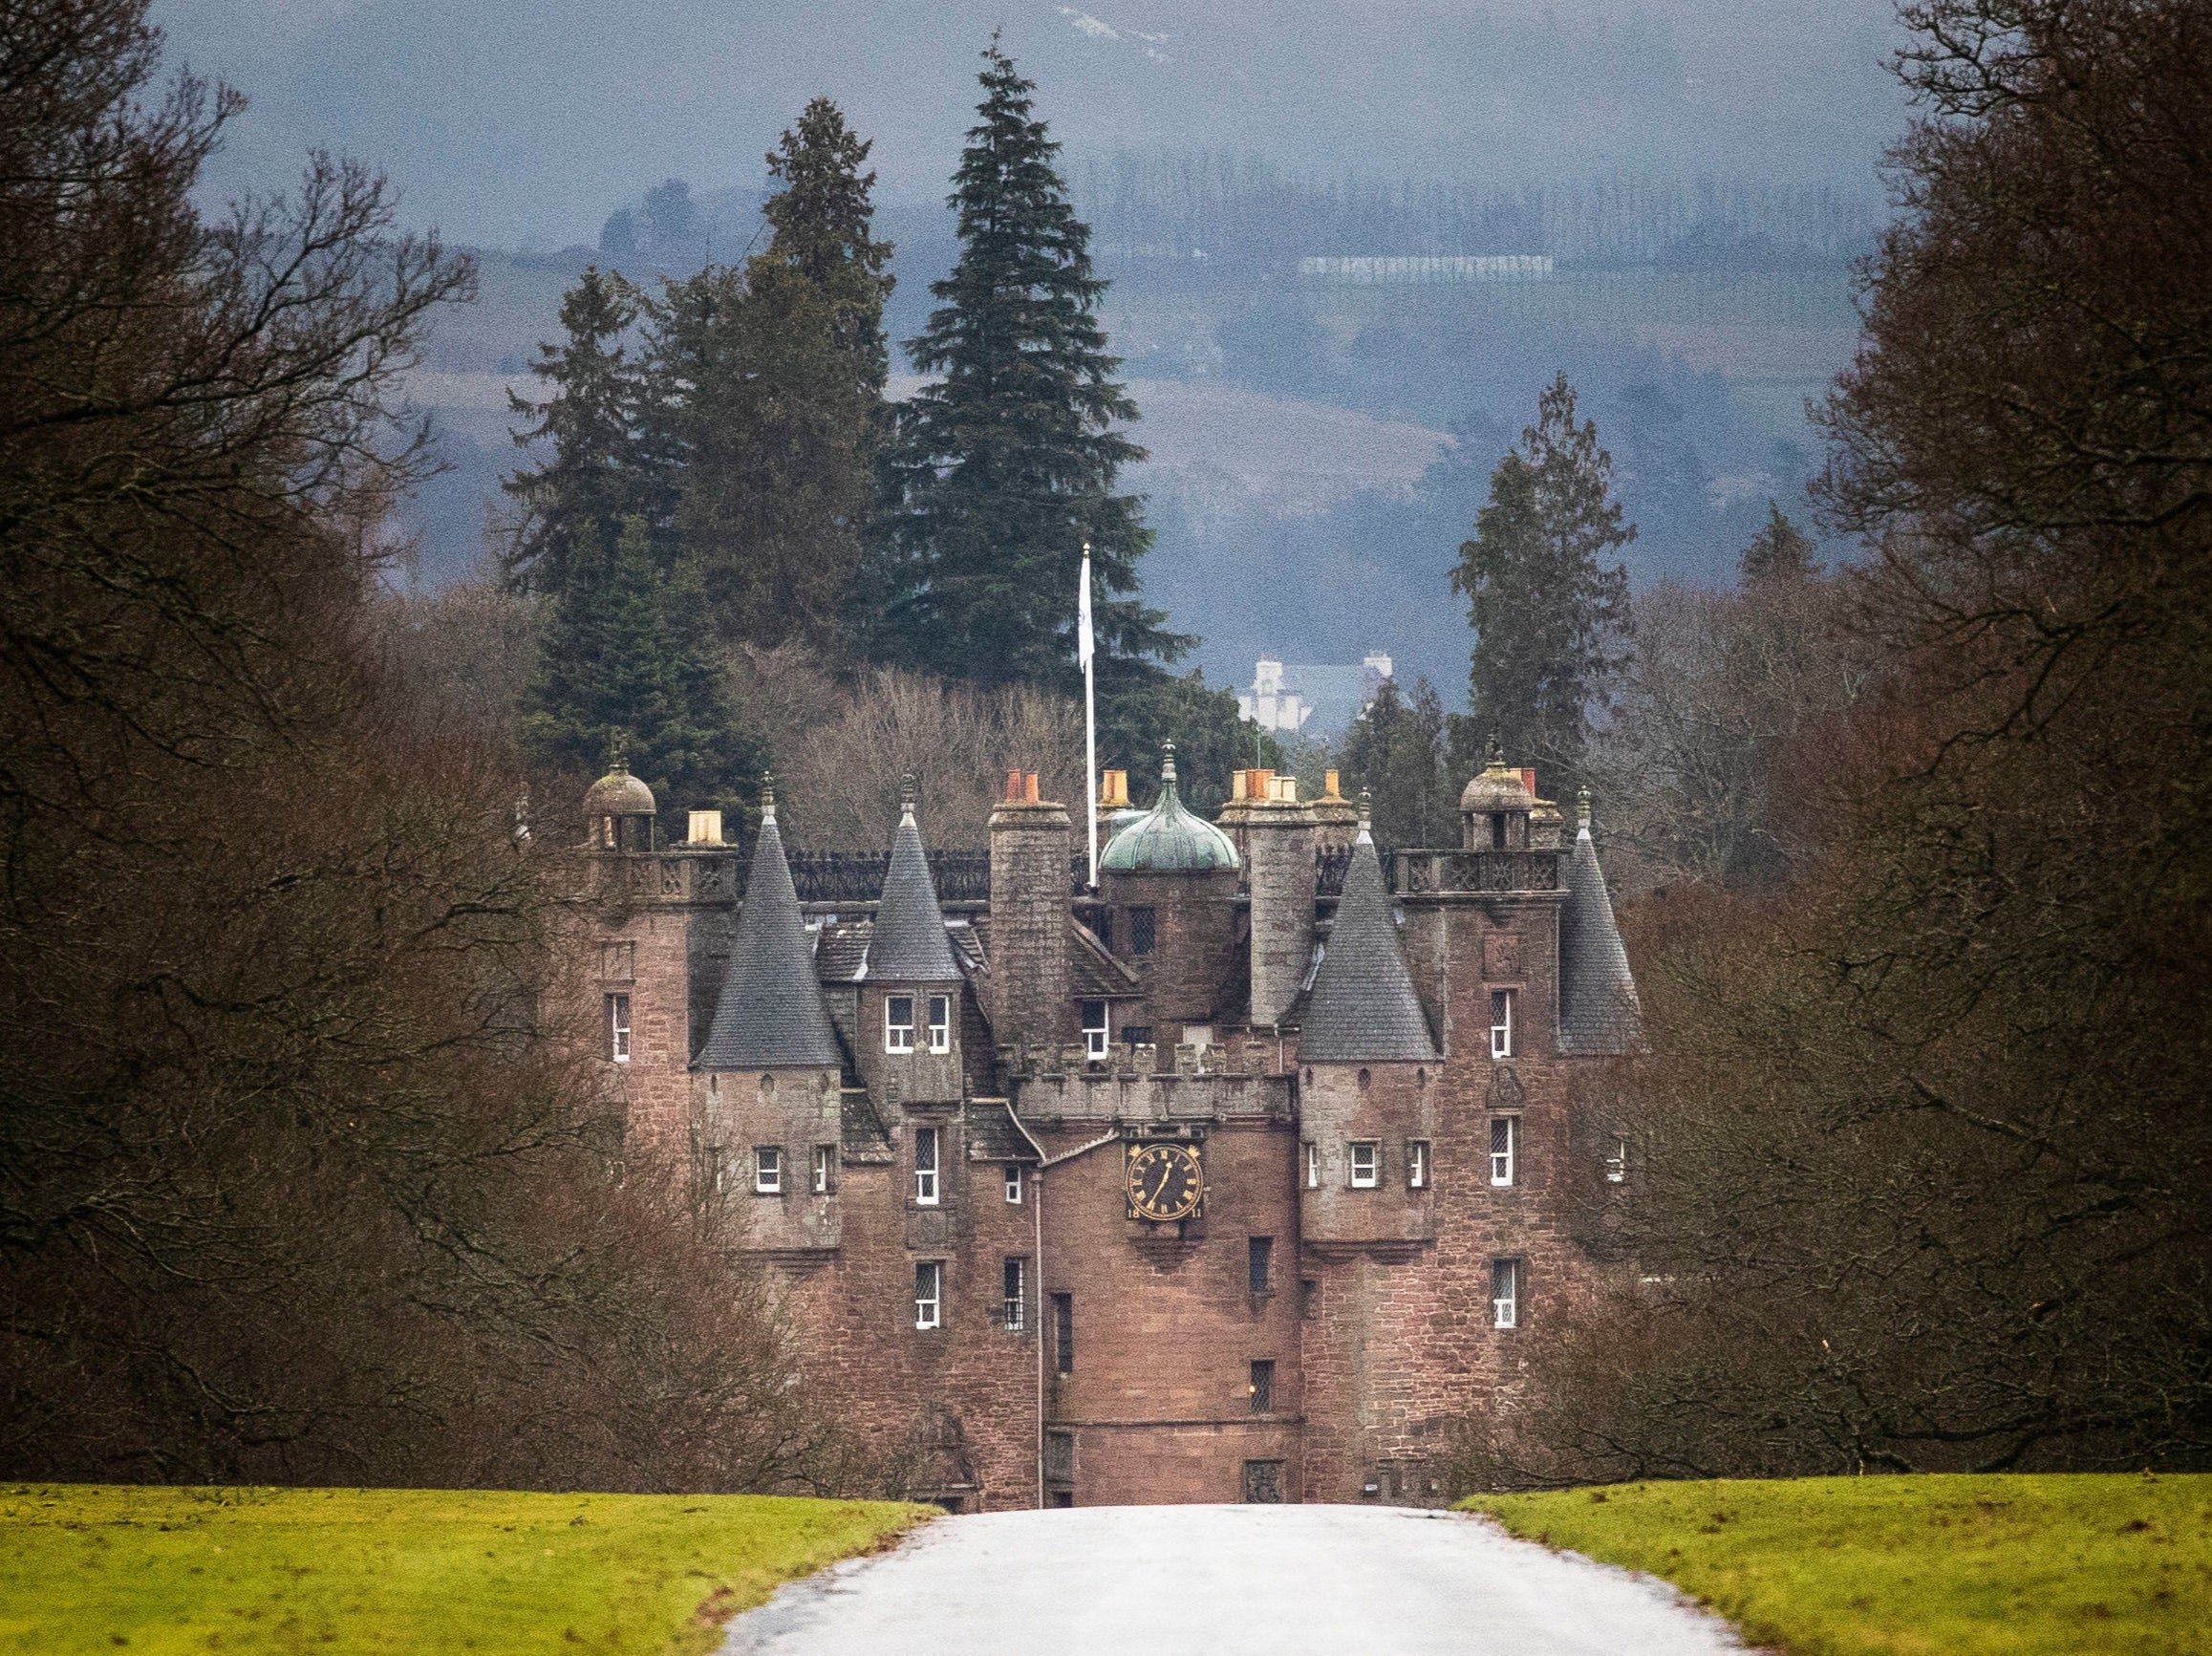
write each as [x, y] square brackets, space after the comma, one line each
[1086, 648]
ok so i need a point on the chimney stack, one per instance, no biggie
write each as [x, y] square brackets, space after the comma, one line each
[1030, 846]
[1274, 836]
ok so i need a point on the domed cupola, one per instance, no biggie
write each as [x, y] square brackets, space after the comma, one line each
[1495, 805]
[1168, 838]
[619, 809]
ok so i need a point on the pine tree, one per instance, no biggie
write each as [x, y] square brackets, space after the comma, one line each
[573, 505]
[1005, 466]
[629, 657]
[1779, 551]
[1397, 750]
[771, 388]
[1551, 620]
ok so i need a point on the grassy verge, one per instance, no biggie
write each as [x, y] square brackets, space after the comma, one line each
[1913, 1566]
[104, 1568]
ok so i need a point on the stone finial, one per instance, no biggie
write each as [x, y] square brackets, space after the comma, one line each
[1495, 757]
[767, 797]
[618, 752]
[1166, 761]
[1367, 810]
[906, 799]
[1582, 809]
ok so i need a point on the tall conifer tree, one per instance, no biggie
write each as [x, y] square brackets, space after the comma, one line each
[1550, 619]
[1005, 466]
[769, 393]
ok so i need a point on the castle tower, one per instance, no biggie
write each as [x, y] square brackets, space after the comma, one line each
[767, 1082]
[909, 1027]
[1169, 879]
[620, 810]
[1030, 889]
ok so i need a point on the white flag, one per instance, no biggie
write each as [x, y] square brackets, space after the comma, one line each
[1083, 643]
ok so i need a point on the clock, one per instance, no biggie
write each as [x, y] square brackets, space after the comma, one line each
[1165, 1181]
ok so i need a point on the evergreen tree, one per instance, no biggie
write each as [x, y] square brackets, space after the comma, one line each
[574, 504]
[628, 658]
[1005, 466]
[1779, 550]
[770, 390]
[1551, 620]
[1397, 749]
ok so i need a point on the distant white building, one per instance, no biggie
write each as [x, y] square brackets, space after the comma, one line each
[1293, 698]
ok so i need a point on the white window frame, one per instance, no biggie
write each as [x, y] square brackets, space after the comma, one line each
[767, 1169]
[1416, 1164]
[1505, 1293]
[898, 1036]
[1505, 1167]
[1502, 1006]
[1096, 1037]
[1313, 1166]
[1617, 1161]
[1013, 1183]
[1371, 1177]
[928, 1185]
[1014, 1274]
[824, 1167]
[929, 1294]
[618, 1027]
[941, 1024]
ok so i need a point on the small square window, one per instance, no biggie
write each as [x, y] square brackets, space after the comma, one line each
[1505, 1293]
[1141, 930]
[824, 1168]
[940, 1023]
[1013, 1183]
[767, 1169]
[1094, 1030]
[926, 1165]
[1262, 1386]
[1259, 1264]
[1367, 1163]
[1501, 1023]
[618, 1028]
[898, 1023]
[1017, 1285]
[1505, 1142]
[1416, 1164]
[929, 1294]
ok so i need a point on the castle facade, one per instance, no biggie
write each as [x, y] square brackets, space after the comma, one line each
[1236, 1177]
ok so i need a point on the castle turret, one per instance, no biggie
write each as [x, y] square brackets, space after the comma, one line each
[1598, 1005]
[619, 809]
[1029, 913]
[1169, 879]
[908, 1028]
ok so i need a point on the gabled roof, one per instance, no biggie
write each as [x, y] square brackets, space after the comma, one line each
[1597, 1007]
[771, 1013]
[909, 943]
[1363, 1007]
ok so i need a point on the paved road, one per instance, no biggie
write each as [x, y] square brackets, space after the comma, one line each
[1223, 1581]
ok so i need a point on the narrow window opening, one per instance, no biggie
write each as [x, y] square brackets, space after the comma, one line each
[1259, 1264]
[824, 1168]
[1063, 1333]
[1017, 1294]
[1497, 830]
[1417, 1164]
[1013, 1184]
[940, 1023]
[1094, 1030]
[926, 1165]
[1617, 1161]
[1309, 1298]
[1142, 931]
[618, 1028]
[1262, 1386]
[1505, 1293]
[1505, 1142]
[929, 1294]
[1313, 1167]
[1501, 1023]
[898, 1023]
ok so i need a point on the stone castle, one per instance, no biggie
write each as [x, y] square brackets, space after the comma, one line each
[1236, 1177]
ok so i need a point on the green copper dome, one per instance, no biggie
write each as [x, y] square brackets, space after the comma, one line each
[1168, 838]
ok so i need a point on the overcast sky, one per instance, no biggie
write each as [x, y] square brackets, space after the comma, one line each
[507, 122]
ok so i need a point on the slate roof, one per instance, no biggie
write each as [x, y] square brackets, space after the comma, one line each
[1092, 969]
[909, 944]
[864, 1136]
[1597, 1007]
[1363, 1007]
[771, 1011]
[993, 1136]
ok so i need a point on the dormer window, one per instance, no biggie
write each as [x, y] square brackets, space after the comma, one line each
[898, 1023]
[941, 1027]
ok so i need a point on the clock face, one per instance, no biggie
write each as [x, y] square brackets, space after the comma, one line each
[1166, 1181]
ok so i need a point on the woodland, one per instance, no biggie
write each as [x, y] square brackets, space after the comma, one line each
[301, 1179]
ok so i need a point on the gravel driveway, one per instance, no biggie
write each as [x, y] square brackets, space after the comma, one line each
[1272, 1581]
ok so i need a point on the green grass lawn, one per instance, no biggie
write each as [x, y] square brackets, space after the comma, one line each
[1913, 1566]
[86, 1567]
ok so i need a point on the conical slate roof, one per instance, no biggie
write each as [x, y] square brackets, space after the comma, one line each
[1168, 838]
[771, 1011]
[909, 944]
[1597, 1008]
[1363, 1008]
